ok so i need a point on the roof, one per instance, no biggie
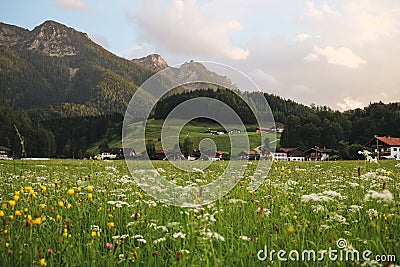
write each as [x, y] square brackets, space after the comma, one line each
[390, 141]
[323, 150]
[3, 148]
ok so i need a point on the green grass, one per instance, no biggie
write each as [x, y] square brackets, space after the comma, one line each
[229, 232]
[196, 131]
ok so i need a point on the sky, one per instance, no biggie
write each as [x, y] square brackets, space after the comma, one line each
[343, 54]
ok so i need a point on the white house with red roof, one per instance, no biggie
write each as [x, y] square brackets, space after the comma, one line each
[386, 147]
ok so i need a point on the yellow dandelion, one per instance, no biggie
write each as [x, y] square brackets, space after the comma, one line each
[43, 262]
[43, 188]
[37, 221]
[26, 210]
[90, 196]
[5, 231]
[4, 206]
[16, 197]
[294, 217]
[90, 188]
[110, 224]
[71, 191]
[69, 206]
[42, 206]
[7, 244]
[291, 229]
[18, 213]
[12, 203]
[140, 196]
[1, 213]
[58, 217]
[94, 234]
[61, 204]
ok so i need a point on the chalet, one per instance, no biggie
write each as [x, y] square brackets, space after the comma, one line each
[245, 154]
[234, 131]
[5, 153]
[276, 129]
[288, 154]
[262, 130]
[320, 154]
[385, 147]
[111, 153]
[206, 155]
[215, 132]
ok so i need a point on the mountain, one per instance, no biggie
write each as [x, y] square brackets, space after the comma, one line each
[56, 71]
[152, 62]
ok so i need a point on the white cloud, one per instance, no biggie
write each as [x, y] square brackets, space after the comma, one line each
[350, 103]
[184, 28]
[72, 4]
[313, 12]
[302, 36]
[264, 80]
[337, 56]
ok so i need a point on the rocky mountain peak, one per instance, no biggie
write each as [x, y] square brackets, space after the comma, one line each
[10, 35]
[53, 38]
[154, 62]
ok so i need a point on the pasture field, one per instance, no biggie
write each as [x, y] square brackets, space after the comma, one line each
[91, 213]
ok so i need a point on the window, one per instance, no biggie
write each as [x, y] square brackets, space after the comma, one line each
[395, 149]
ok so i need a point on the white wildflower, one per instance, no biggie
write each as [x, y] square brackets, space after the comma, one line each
[179, 235]
[137, 236]
[214, 235]
[386, 195]
[142, 240]
[162, 239]
[235, 200]
[245, 238]
[314, 197]
[355, 208]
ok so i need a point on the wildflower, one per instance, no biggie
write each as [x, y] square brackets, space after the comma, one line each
[42, 206]
[5, 231]
[109, 246]
[18, 213]
[386, 195]
[90, 196]
[294, 217]
[179, 235]
[4, 206]
[93, 234]
[43, 188]
[42, 262]
[1, 213]
[110, 224]
[69, 206]
[37, 221]
[58, 217]
[12, 203]
[155, 252]
[140, 196]
[26, 210]
[7, 244]
[16, 197]
[291, 229]
[49, 252]
[162, 239]
[61, 204]
[89, 188]
[71, 191]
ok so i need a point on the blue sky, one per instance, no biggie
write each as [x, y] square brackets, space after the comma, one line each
[343, 54]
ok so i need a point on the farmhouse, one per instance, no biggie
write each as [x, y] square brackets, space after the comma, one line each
[385, 147]
[316, 154]
[288, 154]
[245, 154]
[111, 153]
[206, 155]
[5, 153]
[234, 131]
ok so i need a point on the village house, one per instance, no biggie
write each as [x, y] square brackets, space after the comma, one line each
[288, 154]
[320, 154]
[111, 153]
[5, 153]
[251, 155]
[234, 131]
[385, 147]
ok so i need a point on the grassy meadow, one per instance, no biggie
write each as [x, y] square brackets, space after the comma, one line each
[91, 213]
